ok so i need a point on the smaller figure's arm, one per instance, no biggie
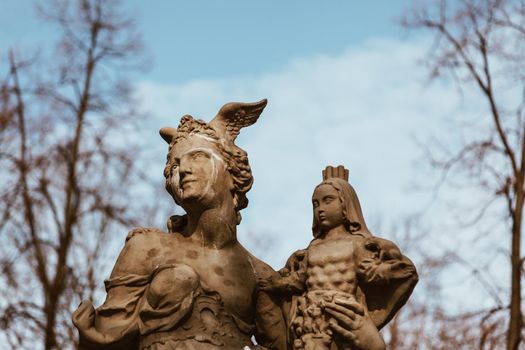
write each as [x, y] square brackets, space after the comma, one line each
[387, 277]
[383, 263]
[293, 283]
[290, 280]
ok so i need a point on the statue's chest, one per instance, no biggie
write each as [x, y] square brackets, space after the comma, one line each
[331, 266]
[227, 272]
[331, 252]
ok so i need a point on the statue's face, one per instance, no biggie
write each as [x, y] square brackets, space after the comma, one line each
[199, 176]
[328, 209]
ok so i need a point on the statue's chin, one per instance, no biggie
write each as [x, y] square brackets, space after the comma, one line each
[190, 200]
[188, 194]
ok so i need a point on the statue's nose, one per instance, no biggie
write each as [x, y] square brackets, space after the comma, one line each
[184, 169]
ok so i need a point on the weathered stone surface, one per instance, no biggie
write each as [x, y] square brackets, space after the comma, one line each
[197, 287]
[347, 284]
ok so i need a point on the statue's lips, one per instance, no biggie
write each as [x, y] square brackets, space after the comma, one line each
[187, 181]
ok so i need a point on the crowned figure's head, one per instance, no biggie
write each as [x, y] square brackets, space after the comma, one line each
[345, 202]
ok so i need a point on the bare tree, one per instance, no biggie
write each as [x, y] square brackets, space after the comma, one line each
[426, 321]
[481, 44]
[67, 165]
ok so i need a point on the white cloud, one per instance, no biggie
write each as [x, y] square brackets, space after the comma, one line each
[361, 109]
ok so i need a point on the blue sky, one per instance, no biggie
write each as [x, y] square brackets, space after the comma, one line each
[344, 86]
[212, 39]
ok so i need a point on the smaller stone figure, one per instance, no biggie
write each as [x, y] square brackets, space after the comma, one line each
[347, 284]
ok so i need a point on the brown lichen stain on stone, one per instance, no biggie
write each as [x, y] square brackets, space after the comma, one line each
[219, 271]
[229, 283]
[192, 254]
[153, 252]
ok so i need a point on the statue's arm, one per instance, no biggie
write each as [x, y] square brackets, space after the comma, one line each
[290, 280]
[382, 262]
[387, 277]
[270, 326]
[114, 324]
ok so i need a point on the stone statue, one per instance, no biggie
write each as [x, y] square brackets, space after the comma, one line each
[196, 286]
[347, 284]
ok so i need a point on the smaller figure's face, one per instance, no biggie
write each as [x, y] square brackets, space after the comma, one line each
[199, 175]
[328, 209]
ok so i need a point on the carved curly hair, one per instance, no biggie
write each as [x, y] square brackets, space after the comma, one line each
[236, 160]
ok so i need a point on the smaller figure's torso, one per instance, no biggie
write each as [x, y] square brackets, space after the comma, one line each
[331, 265]
[331, 273]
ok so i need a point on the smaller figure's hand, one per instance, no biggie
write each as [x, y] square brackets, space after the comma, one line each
[382, 272]
[350, 324]
[268, 284]
[264, 284]
[352, 305]
[284, 271]
[370, 270]
[347, 316]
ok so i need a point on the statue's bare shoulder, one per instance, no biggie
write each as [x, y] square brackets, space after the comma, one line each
[141, 250]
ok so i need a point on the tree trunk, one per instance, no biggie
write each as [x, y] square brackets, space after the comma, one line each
[394, 334]
[516, 321]
[50, 341]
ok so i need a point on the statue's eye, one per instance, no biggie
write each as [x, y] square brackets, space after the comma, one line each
[200, 154]
[315, 204]
[328, 199]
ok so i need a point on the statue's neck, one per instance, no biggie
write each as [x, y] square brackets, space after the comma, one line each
[336, 232]
[214, 227]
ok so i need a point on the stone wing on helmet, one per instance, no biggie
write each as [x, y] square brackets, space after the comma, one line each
[236, 115]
